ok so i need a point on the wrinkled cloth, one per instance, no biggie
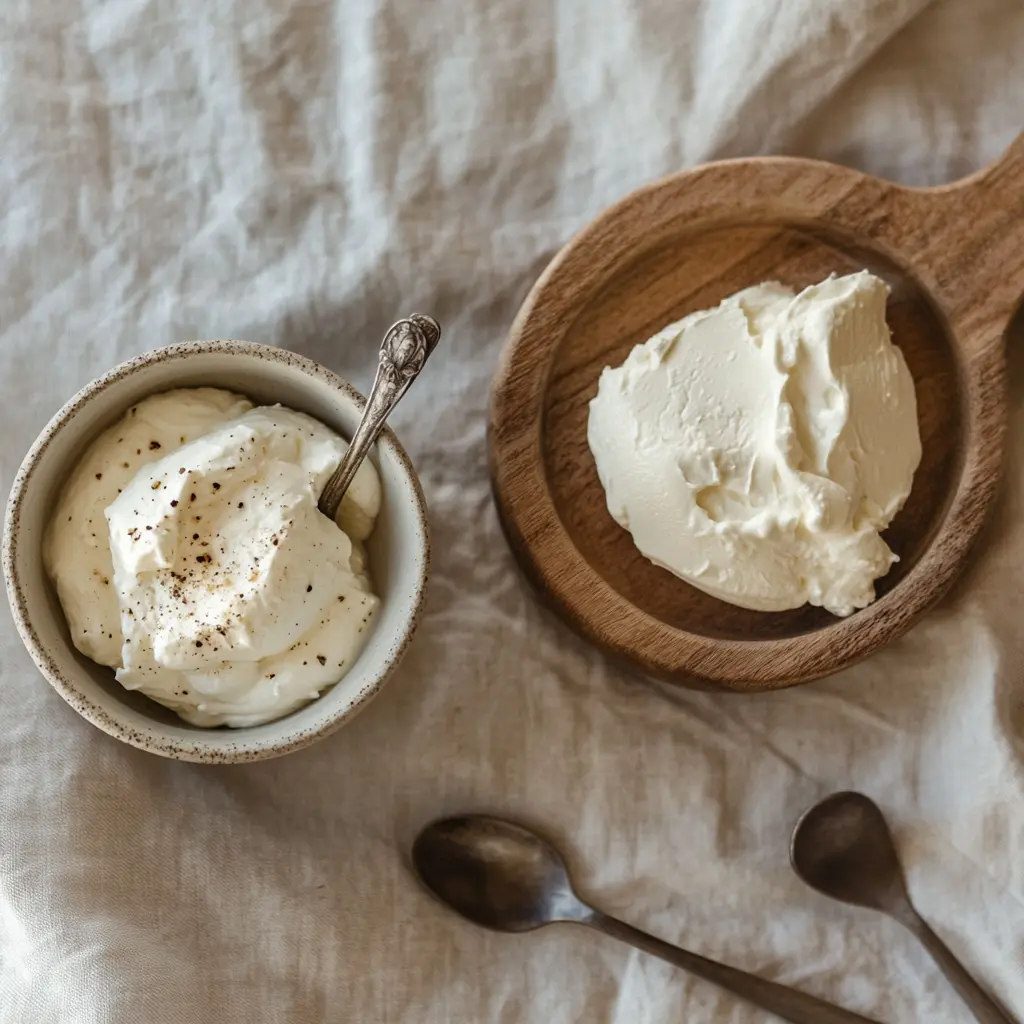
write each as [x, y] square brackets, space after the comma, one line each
[302, 173]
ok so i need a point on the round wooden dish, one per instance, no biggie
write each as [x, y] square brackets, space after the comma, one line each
[954, 258]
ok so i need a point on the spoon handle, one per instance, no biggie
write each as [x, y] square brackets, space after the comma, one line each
[985, 1009]
[403, 354]
[785, 1002]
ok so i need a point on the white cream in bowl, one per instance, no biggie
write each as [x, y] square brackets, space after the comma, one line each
[190, 556]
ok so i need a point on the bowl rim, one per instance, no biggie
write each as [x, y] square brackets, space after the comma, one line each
[214, 746]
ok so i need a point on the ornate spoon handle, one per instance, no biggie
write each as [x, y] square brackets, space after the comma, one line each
[403, 354]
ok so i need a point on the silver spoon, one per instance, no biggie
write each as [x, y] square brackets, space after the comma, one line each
[403, 353]
[506, 878]
[843, 848]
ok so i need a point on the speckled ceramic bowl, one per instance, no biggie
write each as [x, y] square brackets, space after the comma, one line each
[399, 549]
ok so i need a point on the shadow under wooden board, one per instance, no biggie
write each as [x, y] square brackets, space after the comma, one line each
[954, 260]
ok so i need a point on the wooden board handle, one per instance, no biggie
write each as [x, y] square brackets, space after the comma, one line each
[971, 240]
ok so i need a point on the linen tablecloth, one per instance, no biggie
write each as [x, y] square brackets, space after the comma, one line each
[302, 173]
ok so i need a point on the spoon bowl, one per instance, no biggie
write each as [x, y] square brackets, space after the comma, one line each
[843, 848]
[495, 873]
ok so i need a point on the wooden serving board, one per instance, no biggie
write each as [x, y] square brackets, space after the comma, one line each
[954, 259]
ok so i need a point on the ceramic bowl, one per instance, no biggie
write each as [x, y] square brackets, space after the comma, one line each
[399, 549]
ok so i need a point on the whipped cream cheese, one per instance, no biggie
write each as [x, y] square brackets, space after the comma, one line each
[758, 449]
[188, 554]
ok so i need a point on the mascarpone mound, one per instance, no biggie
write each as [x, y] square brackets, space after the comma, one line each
[758, 449]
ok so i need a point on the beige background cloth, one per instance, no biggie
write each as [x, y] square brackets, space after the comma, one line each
[301, 173]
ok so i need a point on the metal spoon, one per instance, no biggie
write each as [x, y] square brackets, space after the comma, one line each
[504, 877]
[843, 848]
[403, 353]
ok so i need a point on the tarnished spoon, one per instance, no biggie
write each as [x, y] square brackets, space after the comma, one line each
[506, 878]
[403, 353]
[843, 848]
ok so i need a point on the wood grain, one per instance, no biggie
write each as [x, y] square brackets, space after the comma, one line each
[954, 259]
